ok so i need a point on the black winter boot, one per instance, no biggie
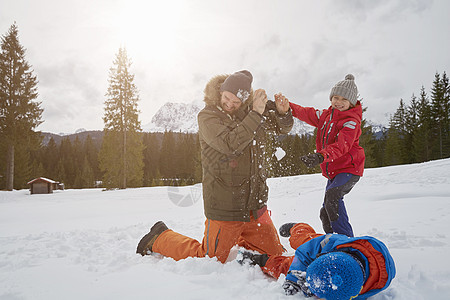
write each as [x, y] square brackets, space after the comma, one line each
[326, 224]
[285, 229]
[252, 258]
[146, 243]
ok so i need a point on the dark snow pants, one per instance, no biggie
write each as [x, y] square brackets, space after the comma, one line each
[333, 213]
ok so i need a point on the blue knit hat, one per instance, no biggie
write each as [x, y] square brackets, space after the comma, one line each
[335, 276]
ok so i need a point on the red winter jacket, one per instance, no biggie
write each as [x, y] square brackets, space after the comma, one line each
[338, 135]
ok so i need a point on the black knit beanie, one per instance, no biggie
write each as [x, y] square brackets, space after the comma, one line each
[238, 83]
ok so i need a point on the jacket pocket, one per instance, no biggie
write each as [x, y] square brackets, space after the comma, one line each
[228, 196]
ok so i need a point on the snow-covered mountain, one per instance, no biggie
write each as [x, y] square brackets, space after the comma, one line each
[182, 117]
[301, 128]
[175, 117]
[378, 129]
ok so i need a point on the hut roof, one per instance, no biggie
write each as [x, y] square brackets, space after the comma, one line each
[41, 179]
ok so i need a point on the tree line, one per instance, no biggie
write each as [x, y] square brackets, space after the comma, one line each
[167, 159]
[420, 131]
[127, 157]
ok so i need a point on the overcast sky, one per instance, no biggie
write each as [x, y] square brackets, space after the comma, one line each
[300, 48]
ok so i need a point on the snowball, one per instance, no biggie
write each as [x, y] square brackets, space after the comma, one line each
[279, 153]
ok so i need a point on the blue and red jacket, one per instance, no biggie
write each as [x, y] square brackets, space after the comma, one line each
[337, 139]
[378, 263]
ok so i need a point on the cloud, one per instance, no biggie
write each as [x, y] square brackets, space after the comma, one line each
[379, 10]
[70, 92]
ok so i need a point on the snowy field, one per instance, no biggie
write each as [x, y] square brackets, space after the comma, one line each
[80, 244]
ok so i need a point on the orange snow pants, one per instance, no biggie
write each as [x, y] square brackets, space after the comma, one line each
[219, 237]
[300, 234]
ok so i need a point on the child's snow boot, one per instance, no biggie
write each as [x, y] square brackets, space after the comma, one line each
[146, 243]
[285, 229]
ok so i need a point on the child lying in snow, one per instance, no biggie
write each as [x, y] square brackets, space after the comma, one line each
[331, 266]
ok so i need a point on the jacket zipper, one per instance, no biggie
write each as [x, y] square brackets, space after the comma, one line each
[325, 136]
[325, 132]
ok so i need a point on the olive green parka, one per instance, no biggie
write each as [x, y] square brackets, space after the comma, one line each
[232, 153]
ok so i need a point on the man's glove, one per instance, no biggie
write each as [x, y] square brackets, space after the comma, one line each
[252, 258]
[313, 159]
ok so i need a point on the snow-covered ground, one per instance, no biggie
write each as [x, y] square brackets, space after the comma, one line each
[80, 244]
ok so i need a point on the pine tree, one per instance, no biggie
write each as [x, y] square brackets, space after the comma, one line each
[22, 167]
[395, 152]
[185, 154]
[87, 174]
[411, 125]
[157, 180]
[446, 116]
[167, 164]
[422, 135]
[61, 172]
[379, 148]
[91, 154]
[439, 115]
[121, 154]
[392, 150]
[19, 113]
[66, 155]
[367, 141]
[180, 156]
[151, 159]
[77, 153]
[50, 158]
[37, 169]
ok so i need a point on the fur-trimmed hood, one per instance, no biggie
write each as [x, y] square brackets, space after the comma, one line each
[212, 91]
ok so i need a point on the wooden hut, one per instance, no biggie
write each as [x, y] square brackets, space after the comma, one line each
[42, 185]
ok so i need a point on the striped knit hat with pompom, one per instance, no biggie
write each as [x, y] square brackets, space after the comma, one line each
[347, 89]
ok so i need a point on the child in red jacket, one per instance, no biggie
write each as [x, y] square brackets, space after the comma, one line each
[338, 152]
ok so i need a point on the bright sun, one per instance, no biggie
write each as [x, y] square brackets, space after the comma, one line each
[149, 26]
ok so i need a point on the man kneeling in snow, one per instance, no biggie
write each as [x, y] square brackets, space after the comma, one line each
[331, 266]
[233, 128]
